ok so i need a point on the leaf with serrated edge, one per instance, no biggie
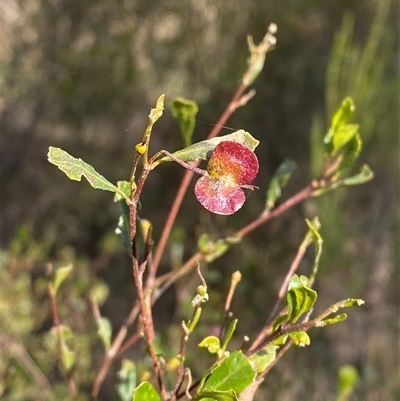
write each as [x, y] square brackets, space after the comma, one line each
[76, 168]
[203, 149]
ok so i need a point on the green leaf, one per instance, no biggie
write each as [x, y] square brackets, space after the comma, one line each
[76, 168]
[340, 118]
[343, 113]
[229, 334]
[60, 275]
[185, 111]
[343, 136]
[145, 392]
[203, 149]
[350, 154]
[127, 380]
[234, 373]
[300, 298]
[212, 344]
[350, 302]
[347, 380]
[228, 395]
[123, 227]
[333, 320]
[300, 338]
[366, 174]
[279, 181]
[99, 292]
[314, 226]
[104, 331]
[262, 359]
[68, 357]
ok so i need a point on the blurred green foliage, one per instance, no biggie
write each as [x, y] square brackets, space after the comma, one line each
[81, 75]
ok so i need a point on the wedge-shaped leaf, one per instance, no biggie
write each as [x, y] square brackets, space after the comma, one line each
[76, 168]
[145, 392]
[234, 373]
[104, 331]
[279, 181]
[61, 275]
[343, 113]
[300, 338]
[366, 174]
[300, 298]
[202, 150]
[262, 359]
[214, 395]
[212, 343]
[185, 111]
[340, 118]
[127, 380]
[343, 136]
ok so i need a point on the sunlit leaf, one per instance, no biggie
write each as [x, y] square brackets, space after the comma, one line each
[185, 111]
[300, 338]
[234, 373]
[340, 118]
[314, 227]
[343, 136]
[262, 359]
[60, 275]
[76, 168]
[214, 395]
[212, 344]
[300, 298]
[279, 181]
[203, 150]
[145, 392]
[127, 380]
[333, 320]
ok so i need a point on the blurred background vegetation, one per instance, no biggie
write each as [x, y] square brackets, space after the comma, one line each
[82, 75]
